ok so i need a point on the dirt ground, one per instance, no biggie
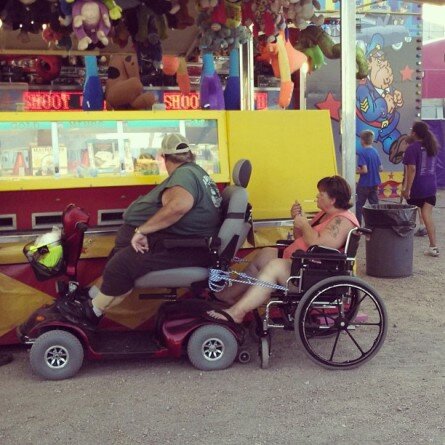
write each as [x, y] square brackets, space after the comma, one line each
[396, 398]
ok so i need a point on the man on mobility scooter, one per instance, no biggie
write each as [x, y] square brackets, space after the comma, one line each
[185, 205]
[63, 333]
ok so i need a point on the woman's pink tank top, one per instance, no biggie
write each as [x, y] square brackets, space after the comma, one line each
[299, 243]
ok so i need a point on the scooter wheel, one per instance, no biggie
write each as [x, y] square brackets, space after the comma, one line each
[56, 355]
[212, 347]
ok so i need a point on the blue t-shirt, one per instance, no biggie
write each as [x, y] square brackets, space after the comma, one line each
[424, 184]
[369, 156]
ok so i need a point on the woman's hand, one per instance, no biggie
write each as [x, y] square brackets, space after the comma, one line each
[300, 221]
[139, 242]
[406, 193]
[296, 209]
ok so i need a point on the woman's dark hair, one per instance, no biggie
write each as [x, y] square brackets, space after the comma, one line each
[336, 188]
[428, 139]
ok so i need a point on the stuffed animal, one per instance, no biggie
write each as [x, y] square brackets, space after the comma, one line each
[266, 16]
[91, 23]
[172, 65]
[123, 89]
[93, 95]
[66, 8]
[26, 15]
[226, 13]
[316, 43]
[181, 19]
[48, 67]
[114, 10]
[210, 93]
[302, 12]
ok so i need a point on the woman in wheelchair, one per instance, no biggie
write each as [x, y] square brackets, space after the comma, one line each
[329, 228]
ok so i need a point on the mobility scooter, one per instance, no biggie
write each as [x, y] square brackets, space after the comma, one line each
[59, 345]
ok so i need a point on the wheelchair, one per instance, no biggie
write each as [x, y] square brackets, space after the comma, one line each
[339, 320]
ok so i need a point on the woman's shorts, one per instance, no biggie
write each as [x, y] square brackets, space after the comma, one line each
[419, 202]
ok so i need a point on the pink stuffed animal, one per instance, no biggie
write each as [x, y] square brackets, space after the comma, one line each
[91, 23]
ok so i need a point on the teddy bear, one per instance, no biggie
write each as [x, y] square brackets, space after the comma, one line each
[91, 23]
[123, 88]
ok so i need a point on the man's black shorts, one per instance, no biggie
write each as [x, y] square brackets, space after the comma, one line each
[126, 265]
[419, 202]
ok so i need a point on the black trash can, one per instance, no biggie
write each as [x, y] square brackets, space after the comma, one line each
[389, 250]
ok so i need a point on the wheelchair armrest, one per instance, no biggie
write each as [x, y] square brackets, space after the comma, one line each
[319, 256]
[284, 242]
[172, 243]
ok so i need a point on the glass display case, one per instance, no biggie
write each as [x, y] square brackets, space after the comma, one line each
[87, 149]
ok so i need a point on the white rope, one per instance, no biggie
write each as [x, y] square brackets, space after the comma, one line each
[239, 260]
[219, 279]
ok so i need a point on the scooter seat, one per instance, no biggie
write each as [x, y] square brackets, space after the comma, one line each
[179, 277]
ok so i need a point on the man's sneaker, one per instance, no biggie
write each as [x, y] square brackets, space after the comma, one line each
[432, 251]
[79, 311]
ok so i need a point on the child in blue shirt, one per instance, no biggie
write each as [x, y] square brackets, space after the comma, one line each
[368, 166]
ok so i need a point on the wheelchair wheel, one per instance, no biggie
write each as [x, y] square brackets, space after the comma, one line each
[212, 347]
[264, 351]
[341, 322]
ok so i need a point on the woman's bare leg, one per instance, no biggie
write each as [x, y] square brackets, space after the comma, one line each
[231, 294]
[427, 215]
[276, 271]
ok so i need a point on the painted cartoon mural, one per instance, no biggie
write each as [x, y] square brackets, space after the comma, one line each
[388, 98]
[377, 102]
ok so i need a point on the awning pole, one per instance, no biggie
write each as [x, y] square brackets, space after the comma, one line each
[348, 92]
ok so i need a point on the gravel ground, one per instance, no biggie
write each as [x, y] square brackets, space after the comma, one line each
[396, 398]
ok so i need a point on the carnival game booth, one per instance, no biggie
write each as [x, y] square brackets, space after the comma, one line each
[102, 161]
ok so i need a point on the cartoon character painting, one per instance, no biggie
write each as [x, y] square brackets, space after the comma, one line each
[377, 103]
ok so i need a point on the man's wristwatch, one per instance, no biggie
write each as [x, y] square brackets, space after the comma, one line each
[136, 230]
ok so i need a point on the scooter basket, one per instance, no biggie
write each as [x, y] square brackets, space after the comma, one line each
[46, 261]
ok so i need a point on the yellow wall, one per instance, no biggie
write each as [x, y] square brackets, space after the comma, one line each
[289, 150]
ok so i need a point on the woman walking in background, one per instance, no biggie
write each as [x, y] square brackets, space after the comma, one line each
[420, 181]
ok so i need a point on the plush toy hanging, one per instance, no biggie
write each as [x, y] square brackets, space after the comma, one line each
[114, 10]
[210, 91]
[221, 31]
[28, 16]
[285, 60]
[266, 16]
[124, 89]
[91, 23]
[303, 12]
[286, 84]
[93, 95]
[232, 91]
[181, 19]
[182, 77]
[173, 65]
[48, 67]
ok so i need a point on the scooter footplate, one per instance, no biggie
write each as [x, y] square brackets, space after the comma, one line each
[119, 343]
